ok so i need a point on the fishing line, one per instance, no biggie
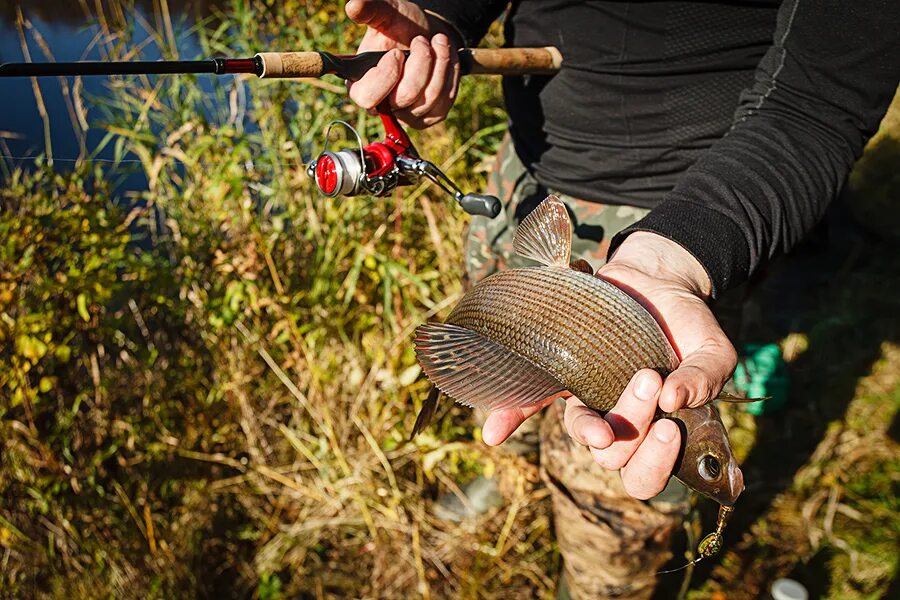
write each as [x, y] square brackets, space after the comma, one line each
[712, 543]
[119, 162]
[72, 160]
[681, 568]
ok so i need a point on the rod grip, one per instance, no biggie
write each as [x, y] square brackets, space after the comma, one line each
[474, 61]
[290, 64]
[511, 61]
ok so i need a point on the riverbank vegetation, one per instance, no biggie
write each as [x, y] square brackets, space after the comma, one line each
[206, 387]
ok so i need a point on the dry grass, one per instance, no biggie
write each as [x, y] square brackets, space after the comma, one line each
[233, 419]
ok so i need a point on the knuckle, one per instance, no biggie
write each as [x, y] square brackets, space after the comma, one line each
[573, 425]
[421, 108]
[404, 99]
[607, 460]
[361, 97]
[731, 356]
[441, 52]
[636, 487]
[705, 391]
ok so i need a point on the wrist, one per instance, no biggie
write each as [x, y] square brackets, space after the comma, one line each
[661, 258]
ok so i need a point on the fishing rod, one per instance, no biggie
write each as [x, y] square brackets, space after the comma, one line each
[376, 168]
[273, 65]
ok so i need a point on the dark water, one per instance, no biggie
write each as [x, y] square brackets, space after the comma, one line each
[69, 30]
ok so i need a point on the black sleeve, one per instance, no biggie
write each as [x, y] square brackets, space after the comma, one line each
[472, 19]
[820, 93]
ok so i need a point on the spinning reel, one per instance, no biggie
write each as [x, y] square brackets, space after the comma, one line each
[378, 168]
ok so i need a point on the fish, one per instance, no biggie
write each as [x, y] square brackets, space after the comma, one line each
[520, 336]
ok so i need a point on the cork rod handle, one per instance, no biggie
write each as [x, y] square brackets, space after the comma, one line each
[475, 61]
[277, 65]
[511, 61]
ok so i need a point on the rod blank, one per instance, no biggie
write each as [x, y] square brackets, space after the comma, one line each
[85, 68]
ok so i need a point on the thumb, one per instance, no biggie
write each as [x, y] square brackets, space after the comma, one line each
[501, 424]
[398, 20]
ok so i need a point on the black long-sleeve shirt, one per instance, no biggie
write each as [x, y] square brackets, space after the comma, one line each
[735, 121]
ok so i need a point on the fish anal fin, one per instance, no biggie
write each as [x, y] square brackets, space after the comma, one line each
[545, 235]
[426, 414]
[478, 372]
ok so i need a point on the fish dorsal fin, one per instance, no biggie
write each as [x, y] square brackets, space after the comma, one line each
[545, 235]
[480, 373]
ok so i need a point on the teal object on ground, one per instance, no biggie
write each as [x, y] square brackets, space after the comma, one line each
[761, 373]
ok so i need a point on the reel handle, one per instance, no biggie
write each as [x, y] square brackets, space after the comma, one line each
[481, 204]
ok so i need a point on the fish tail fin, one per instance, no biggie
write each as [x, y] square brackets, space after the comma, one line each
[429, 407]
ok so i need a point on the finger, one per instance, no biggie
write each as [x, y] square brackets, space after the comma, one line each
[416, 73]
[445, 99]
[648, 471]
[700, 376]
[451, 84]
[379, 15]
[500, 424]
[585, 426]
[375, 85]
[440, 48]
[630, 419]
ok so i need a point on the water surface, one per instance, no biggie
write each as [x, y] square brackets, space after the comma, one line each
[70, 31]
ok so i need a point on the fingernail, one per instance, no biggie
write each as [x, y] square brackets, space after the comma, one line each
[665, 432]
[646, 388]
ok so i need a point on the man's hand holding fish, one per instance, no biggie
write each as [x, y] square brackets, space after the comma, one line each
[670, 283]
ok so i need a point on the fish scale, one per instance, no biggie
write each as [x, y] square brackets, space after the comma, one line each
[592, 337]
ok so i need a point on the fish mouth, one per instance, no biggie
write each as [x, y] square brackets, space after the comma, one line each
[735, 481]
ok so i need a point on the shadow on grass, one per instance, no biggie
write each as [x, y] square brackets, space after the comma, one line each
[893, 591]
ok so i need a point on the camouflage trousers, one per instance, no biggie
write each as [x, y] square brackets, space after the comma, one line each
[612, 544]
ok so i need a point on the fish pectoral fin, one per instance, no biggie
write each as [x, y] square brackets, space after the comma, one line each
[478, 372]
[545, 235]
[724, 397]
[579, 264]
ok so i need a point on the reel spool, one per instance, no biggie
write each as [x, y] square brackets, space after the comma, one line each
[378, 168]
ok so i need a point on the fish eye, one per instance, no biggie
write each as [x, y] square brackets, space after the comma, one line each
[709, 467]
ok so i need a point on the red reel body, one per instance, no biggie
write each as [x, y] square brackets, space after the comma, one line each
[378, 168]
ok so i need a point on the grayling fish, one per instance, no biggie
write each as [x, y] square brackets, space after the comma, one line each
[520, 336]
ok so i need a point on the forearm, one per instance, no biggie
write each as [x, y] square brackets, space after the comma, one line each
[820, 93]
[471, 19]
